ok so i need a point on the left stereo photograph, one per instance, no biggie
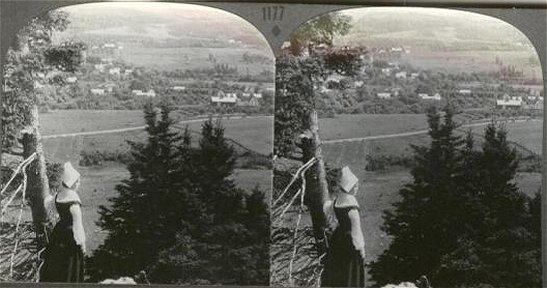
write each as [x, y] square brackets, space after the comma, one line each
[137, 145]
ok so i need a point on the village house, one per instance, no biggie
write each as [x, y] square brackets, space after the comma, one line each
[414, 75]
[224, 99]
[109, 87]
[99, 67]
[150, 93]
[384, 95]
[109, 45]
[179, 88]
[425, 96]
[464, 92]
[508, 102]
[97, 91]
[71, 80]
[127, 72]
[386, 71]
[400, 75]
[257, 95]
[358, 83]
[114, 71]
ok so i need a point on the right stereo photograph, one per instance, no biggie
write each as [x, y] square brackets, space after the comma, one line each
[407, 147]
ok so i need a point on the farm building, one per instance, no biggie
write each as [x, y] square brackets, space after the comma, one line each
[414, 75]
[99, 67]
[257, 95]
[97, 91]
[179, 88]
[384, 95]
[150, 93]
[426, 96]
[509, 102]
[400, 75]
[114, 71]
[228, 99]
[464, 92]
[127, 72]
[71, 80]
[386, 71]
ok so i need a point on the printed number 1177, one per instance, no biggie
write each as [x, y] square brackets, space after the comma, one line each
[273, 13]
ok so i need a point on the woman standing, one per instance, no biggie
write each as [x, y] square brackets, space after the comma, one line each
[64, 256]
[344, 265]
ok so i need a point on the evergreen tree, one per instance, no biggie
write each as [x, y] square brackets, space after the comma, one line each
[424, 221]
[230, 244]
[463, 221]
[151, 205]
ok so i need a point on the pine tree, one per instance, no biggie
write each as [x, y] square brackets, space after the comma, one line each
[148, 212]
[424, 223]
[230, 243]
[506, 242]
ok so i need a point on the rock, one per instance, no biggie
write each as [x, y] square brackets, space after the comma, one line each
[121, 280]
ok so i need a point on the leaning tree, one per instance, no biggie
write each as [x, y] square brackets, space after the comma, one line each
[33, 62]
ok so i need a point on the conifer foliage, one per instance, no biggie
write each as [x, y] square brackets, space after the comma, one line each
[179, 218]
[462, 221]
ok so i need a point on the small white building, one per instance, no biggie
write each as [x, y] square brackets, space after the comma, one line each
[109, 45]
[509, 102]
[150, 93]
[127, 72]
[71, 80]
[400, 75]
[257, 95]
[114, 71]
[425, 96]
[414, 75]
[179, 88]
[464, 91]
[386, 71]
[384, 95]
[99, 67]
[97, 91]
[224, 99]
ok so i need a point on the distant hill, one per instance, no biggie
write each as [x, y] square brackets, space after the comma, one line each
[159, 21]
[426, 26]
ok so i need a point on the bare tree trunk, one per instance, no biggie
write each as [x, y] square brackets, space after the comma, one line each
[38, 186]
[317, 191]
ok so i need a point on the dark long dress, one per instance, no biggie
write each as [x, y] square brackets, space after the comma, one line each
[63, 258]
[344, 266]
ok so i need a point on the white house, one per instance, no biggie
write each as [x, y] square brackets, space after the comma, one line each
[464, 91]
[509, 102]
[386, 71]
[149, 93]
[114, 71]
[97, 91]
[179, 88]
[359, 83]
[127, 72]
[109, 45]
[71, 80]
[400, 75]
[224, 99]
[426, 96]
[257, 95]
[414, 75]
[99, 67]
[384, 95]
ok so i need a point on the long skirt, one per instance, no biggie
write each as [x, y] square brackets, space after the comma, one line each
[344, 266]
[63, 258]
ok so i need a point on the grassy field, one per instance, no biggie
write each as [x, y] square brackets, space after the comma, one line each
[198, 58]
[255, 134]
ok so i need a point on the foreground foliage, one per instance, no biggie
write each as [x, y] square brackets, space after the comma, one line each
[463, 221]
[179, 218]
